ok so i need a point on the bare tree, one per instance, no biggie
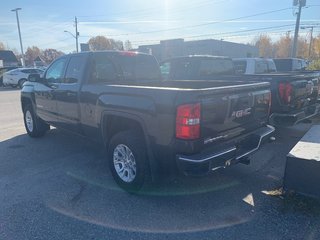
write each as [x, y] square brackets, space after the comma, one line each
[127, 45]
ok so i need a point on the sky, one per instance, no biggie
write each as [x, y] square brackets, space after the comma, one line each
[144, 22]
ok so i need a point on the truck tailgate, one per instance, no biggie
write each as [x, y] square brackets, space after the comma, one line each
[227, 114]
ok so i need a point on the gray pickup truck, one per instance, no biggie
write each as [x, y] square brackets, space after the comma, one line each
[294, 96]
[150, 127]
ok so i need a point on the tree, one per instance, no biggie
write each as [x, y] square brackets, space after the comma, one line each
[283, 47]
[127, 45]
[48, 55]
[315, 52]
[99, 43]
[314, 65]
[265, 46]
[303, 48]
[31, 54]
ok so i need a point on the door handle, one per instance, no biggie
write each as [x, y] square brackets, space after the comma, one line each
[53, 86]
[71, 94]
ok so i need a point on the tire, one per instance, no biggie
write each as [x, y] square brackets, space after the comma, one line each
[21, 82]
[133, 176]
[35, 127]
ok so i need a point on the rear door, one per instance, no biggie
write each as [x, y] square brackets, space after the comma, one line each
[67, 93]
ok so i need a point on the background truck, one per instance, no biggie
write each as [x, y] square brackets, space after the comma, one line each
[294, 96]
[150, 127]
[295, 93]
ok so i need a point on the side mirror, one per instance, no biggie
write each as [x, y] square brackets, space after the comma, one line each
[34, 77]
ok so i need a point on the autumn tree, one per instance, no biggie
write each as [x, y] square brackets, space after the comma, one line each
[265, 46]
[48, 55]
[315, 50]
[283, 46]
[100, 43]
[303, 48]
[31, 54]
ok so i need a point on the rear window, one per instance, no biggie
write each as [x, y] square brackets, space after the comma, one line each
[271, 66]
[240, 66]
[212, 67]
[261, 67]
[283, 64]
[138, 67]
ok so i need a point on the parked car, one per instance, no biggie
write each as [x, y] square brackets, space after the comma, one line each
[294, 95]
[2, 71]
[16, 77]
[150, 127]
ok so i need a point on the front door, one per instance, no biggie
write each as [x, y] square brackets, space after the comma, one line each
[46, 104]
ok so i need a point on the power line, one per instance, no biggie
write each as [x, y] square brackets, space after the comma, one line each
[232, 32]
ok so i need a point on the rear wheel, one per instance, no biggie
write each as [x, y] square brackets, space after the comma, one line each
[35, 126]
[128, 160]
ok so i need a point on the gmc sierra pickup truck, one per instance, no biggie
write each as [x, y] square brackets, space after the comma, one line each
[294, 96]
[150, 127]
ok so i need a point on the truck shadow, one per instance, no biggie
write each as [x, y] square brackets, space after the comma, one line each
[70, 176]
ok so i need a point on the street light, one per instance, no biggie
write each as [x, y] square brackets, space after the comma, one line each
[17, 15]
[74, 36]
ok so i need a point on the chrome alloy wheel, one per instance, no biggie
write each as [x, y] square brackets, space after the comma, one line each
[124, 163]
[29, 121]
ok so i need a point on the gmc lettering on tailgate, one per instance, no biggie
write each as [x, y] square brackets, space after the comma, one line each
[241, 113]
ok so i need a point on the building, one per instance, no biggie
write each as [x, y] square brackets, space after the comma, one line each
[8, 59]
[179, 47]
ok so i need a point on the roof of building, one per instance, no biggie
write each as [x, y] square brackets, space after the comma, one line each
[7, 56]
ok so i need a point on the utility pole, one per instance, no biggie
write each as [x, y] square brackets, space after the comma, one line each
[77, 33]
[18, 23]
[301, 4]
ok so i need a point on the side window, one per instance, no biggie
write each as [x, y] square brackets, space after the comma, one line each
[240, 66]
[103, 70]
[261, 67]
[74, 69]
[165, 70]
[55, 72]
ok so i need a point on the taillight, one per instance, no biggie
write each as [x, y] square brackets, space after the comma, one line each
[285, 92]
[188, 121]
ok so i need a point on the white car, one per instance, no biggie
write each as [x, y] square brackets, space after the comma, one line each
[18, 76]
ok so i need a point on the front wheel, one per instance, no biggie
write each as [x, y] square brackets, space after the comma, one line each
[35, 126]
[128, 160]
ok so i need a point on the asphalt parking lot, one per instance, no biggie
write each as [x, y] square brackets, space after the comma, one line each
[59, 187]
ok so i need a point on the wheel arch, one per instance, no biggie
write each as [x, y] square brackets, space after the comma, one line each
[114, 122]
